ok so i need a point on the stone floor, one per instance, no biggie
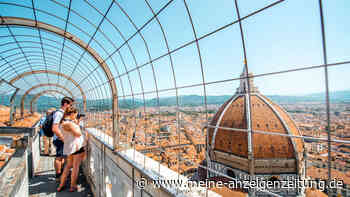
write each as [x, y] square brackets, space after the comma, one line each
[44, 183]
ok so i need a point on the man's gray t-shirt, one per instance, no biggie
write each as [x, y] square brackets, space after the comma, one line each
[57, 117]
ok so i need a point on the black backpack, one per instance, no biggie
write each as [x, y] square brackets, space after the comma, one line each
[47, 125]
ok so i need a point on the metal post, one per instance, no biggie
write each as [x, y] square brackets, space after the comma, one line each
[115, 117]
[207, 151]
[247, 91]
[12, 102]
[327, 93]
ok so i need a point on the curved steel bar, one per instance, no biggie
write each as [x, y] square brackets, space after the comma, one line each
[11, 65]
[4, 81]
[46, 49]
[50, 84]
[35, 108]
[155, 16]
[94, 80]
[202, 72]
[41, 41]
[19, 65]
[139, 74]
[116, 134]
[53, 73]
[64, 39]
[67, 22]
[44, 44]
[251, 159]
[35, 98]
[19, 46]
[38, 86]
[134, 34]
[37, 24]
[28, 85]
[138, 69]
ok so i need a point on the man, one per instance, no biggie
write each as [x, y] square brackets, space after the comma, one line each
[58, 137]
[46, 140]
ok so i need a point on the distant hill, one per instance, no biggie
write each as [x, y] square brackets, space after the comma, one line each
[45, 102]
[334, 97]
[42, 104]
[195, 100]
[188, 100]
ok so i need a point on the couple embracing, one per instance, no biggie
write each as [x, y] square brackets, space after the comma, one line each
[74, 145]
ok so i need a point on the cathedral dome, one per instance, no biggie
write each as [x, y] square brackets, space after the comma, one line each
[272, 154]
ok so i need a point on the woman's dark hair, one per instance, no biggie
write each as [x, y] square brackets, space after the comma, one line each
[69, 111]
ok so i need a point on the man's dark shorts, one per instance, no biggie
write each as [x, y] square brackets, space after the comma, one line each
[59, 147]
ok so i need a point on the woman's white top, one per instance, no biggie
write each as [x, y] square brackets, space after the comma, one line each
[71, 142]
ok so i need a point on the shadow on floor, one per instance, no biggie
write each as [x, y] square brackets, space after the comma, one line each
[45, 183]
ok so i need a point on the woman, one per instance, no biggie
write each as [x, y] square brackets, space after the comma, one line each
[73, 148]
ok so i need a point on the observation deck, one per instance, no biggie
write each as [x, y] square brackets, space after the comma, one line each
[151, 77]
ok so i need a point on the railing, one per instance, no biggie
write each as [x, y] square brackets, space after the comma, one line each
[109, 173]
[20, 168]
[31, 136]
[129, 172]
[112, 173]
[14, 177]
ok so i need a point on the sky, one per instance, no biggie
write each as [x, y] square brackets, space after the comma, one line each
[284, 37]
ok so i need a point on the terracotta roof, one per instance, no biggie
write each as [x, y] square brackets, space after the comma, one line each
[10, 150]
[3, 157]
[265, 116]
[224, 191]
[234, 117]
[259, 114]
[4, 114]
[27, 121]
[5, 154]
[322, 173]
[292, 126]
[2, 147]
[311, 192]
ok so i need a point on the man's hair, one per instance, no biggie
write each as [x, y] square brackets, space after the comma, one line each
[67, 100]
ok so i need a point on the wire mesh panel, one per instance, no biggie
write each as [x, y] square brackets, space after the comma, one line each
[194, 91]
